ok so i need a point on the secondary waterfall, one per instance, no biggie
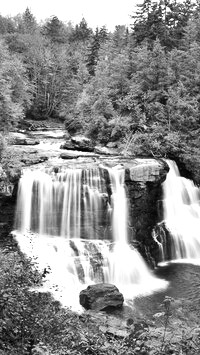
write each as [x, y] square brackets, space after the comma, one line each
[182, 214]
[73, 222]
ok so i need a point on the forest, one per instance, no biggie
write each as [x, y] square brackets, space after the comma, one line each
[137, 86]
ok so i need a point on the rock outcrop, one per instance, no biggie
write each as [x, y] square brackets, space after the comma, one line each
[147, 170]
[79, 143]
[16, 138]
[143, 180]
[8, 191]
[101, 297]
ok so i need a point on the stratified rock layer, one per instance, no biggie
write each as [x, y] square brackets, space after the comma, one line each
[143, 182]
[148, 170]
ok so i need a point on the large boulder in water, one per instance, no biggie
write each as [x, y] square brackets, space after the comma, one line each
[101, 297]
[80, 143]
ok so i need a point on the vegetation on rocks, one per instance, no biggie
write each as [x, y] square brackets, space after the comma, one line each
[33, 323]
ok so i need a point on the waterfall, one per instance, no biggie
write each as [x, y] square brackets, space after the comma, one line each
[182, 214]
[73, 222]
[49, 203]
[119, 205]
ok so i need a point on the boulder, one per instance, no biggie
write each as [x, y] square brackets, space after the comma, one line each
[67, 145]
[76, 155]
[148, 170]
[112, 145]
[32, 160]
[105, 151]
[79, 143]
[24, 141]
[101, 297]
[70, 155]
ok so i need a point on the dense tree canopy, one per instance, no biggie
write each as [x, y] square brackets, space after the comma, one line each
[137, 86]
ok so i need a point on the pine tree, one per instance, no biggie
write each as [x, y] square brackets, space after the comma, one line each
[54, 29]
[163, 19]
[29, 22]
[81, 32]
[99, 38]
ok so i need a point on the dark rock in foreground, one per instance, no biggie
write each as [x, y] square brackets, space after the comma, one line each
[101, 297]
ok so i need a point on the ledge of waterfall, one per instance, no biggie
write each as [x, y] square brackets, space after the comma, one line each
[147, 170]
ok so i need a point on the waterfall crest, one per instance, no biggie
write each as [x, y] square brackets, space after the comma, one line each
[182, 214]
[74, 222]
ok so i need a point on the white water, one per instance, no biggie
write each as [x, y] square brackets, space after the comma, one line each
[49, 203]
[54, 212]
[182, 214]
[93, 198]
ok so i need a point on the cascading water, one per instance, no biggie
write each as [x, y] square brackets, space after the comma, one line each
[49, 203]
[65, 222]
[182, 214]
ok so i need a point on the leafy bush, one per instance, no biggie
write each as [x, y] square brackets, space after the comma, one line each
[98, 129]
[73, 124]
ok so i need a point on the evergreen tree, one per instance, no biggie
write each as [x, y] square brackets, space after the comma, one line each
[81, 32]
[54, 29]
[99, 38]
[29, 24]
[120, 37]
[164, 20]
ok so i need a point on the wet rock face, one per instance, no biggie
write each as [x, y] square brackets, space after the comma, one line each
[144, 191]
[101, 297]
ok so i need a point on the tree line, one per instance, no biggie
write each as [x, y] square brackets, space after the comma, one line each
[138, 86]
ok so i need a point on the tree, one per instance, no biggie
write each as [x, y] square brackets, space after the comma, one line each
[164, 20]
[120, 37]
[98, 39]
[7, 25]
[14, 89]
[149, 85]
[54, 30]
[81, 32]
[29, 24]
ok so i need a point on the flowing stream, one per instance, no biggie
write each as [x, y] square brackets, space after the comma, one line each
[73, 224]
